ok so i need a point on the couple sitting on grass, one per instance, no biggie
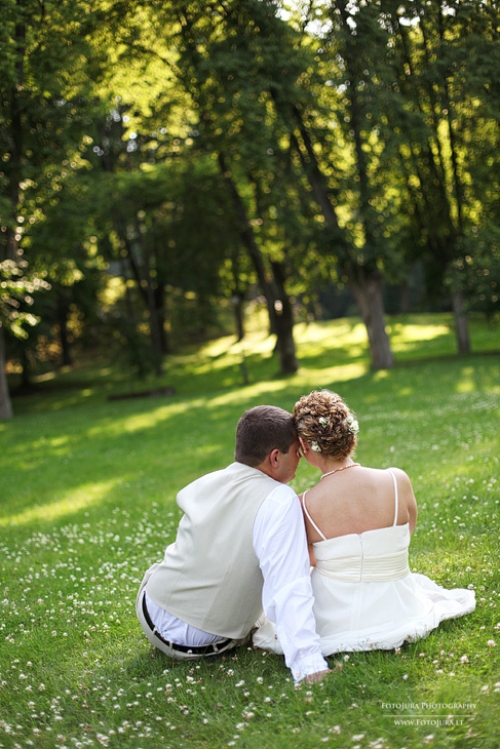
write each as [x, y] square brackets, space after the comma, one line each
[240, 568]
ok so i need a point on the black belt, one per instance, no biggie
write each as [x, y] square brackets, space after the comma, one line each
[212, 648]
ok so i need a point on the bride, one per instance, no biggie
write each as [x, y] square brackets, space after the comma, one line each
[359, 521]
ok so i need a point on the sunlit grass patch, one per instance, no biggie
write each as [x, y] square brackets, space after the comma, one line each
[74, 502]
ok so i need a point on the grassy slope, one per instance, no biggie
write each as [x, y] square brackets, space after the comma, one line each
[88, 501]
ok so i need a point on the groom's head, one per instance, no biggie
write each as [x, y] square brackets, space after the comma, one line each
[266, 439]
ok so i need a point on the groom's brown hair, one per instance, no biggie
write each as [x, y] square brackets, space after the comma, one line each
[260, 430]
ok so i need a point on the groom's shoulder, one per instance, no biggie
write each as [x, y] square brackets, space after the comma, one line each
[283, 494]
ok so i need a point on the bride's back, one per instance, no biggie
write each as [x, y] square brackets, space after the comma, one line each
[359, 500]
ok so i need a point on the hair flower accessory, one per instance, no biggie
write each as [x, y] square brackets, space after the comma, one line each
[324, 420]
[353, 424]
[315, 447]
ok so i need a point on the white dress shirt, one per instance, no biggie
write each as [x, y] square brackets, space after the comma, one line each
[279, 541]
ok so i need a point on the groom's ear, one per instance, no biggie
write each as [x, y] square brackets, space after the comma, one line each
[271, 463]
[274, 457]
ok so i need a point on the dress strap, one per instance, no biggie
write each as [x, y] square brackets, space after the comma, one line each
[396, 500]
[306, 512]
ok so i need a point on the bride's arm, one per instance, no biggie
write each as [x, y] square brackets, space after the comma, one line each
[407, 501]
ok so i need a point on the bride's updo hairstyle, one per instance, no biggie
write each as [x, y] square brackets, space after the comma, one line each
[323, 419]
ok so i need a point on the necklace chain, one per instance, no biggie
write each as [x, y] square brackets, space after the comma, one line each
[336, 470]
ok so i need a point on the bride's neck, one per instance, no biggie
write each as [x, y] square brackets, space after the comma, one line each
[329, 467]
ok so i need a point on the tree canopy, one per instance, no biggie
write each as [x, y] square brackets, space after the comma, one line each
[199, 152]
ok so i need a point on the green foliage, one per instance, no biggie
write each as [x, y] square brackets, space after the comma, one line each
[50, 57]
[112, 116]
[178, 211]
[16, 290]
[88, 490]
[481, 268]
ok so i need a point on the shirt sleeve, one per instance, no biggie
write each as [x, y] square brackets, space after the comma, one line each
[279, 540]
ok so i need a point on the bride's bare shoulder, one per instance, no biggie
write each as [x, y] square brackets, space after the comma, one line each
[400, 475]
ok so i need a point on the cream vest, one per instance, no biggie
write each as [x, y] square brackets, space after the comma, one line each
[210, 577]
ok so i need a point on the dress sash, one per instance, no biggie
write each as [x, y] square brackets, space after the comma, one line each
[373, 569]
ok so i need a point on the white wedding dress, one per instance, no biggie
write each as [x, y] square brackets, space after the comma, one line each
[365, 596]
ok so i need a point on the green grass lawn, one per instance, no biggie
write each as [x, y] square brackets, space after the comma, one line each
[87, 502]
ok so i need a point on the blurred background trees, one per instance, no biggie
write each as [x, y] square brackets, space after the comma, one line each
[165, 164]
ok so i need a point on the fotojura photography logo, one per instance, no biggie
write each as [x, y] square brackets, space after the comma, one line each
[433, 714]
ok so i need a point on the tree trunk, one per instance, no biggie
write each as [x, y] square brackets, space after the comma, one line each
[62, 313]
[405, 298]
[6, 411]
[237, 301]
[461, 325]
[8, 242]
[238, 296]
[142, 276]
[154, 323]
[161, 314]
[367, 288]
[283, 319]
[277, 304]
[25, 375]
[314, 174]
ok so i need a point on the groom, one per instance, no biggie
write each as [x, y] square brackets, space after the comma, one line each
[240, 551]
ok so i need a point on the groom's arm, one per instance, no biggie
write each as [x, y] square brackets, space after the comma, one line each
[281, 546]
